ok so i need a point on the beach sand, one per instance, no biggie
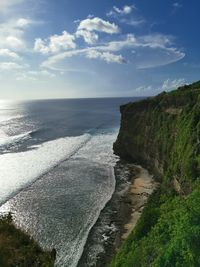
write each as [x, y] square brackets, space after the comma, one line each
[141, 187]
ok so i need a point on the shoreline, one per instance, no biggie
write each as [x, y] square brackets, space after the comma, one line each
[134, 184]
[142, 186]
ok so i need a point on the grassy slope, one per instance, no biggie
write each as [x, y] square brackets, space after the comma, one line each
[168, 232]
[18, 249]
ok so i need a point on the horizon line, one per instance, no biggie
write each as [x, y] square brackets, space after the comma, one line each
[68, 98]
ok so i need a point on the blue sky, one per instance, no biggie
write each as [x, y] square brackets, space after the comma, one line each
[90, 48]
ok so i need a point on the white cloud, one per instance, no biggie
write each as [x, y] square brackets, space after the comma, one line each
[124, 11]
[156, 40]
[4, 52]
[124, 15]
[129, 41]
[12, 33]
[41, 47]
[157, 57]
[167, 85]
[34, 75]
[59, 42]
[105, 56]
[90, 53]
[14, 43]
[89, 37]
[7, 66]
[23, 23]
[98, 24]
[156, 50]
[55, 43]
[149, 51]
[41, 73]
[132, 21]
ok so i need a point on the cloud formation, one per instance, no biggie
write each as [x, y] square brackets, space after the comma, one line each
[105, 56]
[4, 52]
[88, 36]
[149, 51]
[91, 40]
[12, 33]
[167, 85]
[99, 25]
[132, 21]
[55, 43]
[34, 75]
[11, 66]
[23, 22]
[115, 11]
[125, 16]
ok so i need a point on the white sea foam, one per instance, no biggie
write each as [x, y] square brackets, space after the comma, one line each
[6, 140]
[99, 149]
[70, 256]
[7, 118]
[17, 170]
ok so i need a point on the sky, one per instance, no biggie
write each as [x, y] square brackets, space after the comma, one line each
[92, 48]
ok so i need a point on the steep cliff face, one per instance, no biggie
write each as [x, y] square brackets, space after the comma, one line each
[163, 134]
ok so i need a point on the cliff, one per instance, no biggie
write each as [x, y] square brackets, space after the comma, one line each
[163, 134]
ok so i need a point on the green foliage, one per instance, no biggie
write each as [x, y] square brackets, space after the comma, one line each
[171, 236]
[18, 249]
[168, 232]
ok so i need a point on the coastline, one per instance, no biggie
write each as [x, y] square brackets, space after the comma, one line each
[134, 184]
[142, 186]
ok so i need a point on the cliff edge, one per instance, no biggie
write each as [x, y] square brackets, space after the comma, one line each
[18, 249]
[163, 134]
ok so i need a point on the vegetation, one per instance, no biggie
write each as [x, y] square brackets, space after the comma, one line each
[17, 249]
[165, 135]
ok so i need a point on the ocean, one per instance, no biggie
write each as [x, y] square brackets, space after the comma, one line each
[57, 168]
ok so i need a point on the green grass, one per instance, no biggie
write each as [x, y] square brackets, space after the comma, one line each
[17, 249]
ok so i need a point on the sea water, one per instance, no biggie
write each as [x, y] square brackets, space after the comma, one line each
[56, 168]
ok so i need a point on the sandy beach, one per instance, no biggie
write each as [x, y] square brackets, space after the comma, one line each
[141, 187]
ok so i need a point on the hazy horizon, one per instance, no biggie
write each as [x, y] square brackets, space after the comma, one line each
[66, 98]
